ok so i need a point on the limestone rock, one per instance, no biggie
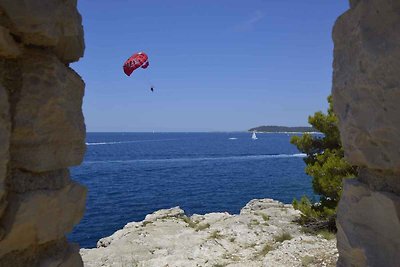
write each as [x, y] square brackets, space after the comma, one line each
[366, 84]
[40, 216]
[23, 181]
[353, 3]
[164, 213]
[169, 238]
[55, 253]
[256, 205]
[69, 257]
[42, 132]
[380, 180]
[5, 129]
[304, 251]
[368, 238]
[48, 23]
[8, 47]
[48, 131]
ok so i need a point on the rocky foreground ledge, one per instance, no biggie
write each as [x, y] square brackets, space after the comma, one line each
[263, 234]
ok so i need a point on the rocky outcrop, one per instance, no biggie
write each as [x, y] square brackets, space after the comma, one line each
[9, 48]
[263, 234]
[33, 219]
[361, 246]
[366, 83]
[48, 129]
[5, 130]
[42, 132]
[55, 24]
[366, 94]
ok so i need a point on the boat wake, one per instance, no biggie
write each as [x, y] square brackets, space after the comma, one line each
[229, 158]
[127, 142]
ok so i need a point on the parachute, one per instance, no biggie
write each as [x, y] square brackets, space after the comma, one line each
[136, 61]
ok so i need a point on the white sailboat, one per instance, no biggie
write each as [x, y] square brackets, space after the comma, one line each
[254, 136]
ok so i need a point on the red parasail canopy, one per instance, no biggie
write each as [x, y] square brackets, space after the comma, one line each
[135, 61]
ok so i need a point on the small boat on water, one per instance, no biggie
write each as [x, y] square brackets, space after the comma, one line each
[254, 136]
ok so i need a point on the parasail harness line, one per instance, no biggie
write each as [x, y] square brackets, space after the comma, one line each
[137, 60]
[151, 84]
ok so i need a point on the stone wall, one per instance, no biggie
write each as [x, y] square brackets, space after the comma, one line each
[366, 93]
[42, 131]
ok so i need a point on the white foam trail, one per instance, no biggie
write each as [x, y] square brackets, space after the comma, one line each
[126, 142]
[250, 157]
[318, 133]
[232, 138]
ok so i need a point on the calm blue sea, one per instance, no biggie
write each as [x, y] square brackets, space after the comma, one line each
[129, 175]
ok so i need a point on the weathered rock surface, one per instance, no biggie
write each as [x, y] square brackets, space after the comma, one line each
[5, 130]
[48, 23]
[23, 181]
[169, 238]
[48, 131]
[366, 94]
[366, 84]
[55, 253]
[383, 217]
[42, 132]
[40, 216]
[8, 47]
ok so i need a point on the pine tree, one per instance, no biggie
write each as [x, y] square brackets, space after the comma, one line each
[326, 165]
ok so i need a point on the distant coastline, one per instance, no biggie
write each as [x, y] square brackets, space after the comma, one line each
[283, 129]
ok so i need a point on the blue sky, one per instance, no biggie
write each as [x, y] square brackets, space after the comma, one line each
[221, 65]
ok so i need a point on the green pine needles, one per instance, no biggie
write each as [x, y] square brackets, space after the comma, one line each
[326, 165]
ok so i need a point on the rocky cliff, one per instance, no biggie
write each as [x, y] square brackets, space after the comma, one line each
[366, 94]
[263, 234]
[41, 131]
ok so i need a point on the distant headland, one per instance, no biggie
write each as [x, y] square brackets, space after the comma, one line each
[279, 129]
